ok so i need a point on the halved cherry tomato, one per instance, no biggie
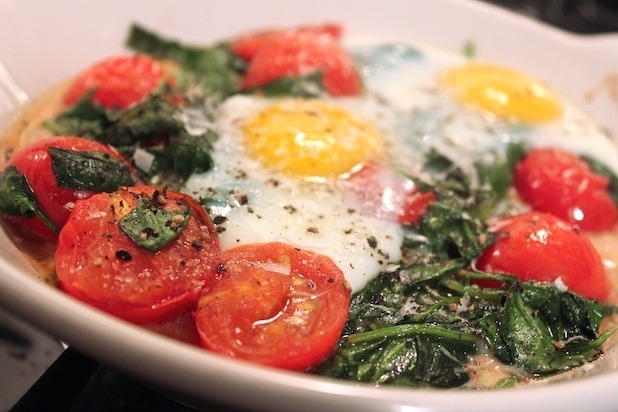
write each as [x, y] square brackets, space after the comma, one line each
[540, 247]
[276, 305]
[381, 192]
[560, 183]
[54, 199]
[298, 54]
[415, 205]
[119, 82]
[247, 45]
[98, 263]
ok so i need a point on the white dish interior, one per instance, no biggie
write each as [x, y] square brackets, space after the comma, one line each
[46, 42]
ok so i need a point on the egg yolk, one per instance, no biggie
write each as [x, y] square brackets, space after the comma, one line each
[311, 138]
[503, 92]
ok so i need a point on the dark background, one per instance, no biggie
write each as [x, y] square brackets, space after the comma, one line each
[107, 389]
[579, 16]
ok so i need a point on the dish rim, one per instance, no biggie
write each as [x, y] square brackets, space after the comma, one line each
[93, 337]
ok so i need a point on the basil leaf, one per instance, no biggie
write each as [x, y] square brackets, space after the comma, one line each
[18, 199]
[151, 227]
[89, 170]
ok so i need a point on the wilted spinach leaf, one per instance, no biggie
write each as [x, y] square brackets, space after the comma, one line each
[216, 69]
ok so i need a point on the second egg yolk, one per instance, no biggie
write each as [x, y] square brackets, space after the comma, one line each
[503, 92]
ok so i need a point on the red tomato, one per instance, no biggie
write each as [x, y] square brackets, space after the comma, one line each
[35, 163]
[562, 184]
[381, 192]
[99, 264]
[120, 82]
[415, 206]
[540, 247]
[298, 54]
[276, 305]
[247, 45]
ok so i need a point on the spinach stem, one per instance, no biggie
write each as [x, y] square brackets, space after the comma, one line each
[409, 330]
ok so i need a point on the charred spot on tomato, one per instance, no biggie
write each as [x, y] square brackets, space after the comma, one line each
[197, 245]
[124, 255]
[152, 227]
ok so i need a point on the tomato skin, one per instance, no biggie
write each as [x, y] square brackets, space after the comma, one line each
[381, 192]
[562, 184]
[120, 81]
[294, 55]
[36, 165]
[415, 205]
[541, 247]
[146, 287]
[285, 320]
[247, 45]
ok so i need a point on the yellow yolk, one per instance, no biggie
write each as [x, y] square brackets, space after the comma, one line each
[311, 138]
[503, 93]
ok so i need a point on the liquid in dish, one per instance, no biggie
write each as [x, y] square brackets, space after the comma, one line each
[414, 178]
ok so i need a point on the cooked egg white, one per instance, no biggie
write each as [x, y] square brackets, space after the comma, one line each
[262, 195]
[282, 166]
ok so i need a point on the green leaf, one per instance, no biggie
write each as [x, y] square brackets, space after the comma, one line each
[469, 50]
[601, 169]
[567, 315]
[418, 273]
[152, 227]
[89, 170]
[404, 355]
[311, 85]
[506, 382]
[85, 119]
[490, 325]
[526, 336]
[409, 330]
[442, 363]
[450, 232]
[191, 154]
[154, 118]
[215, 69]
[498, 172]
[18, 199]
